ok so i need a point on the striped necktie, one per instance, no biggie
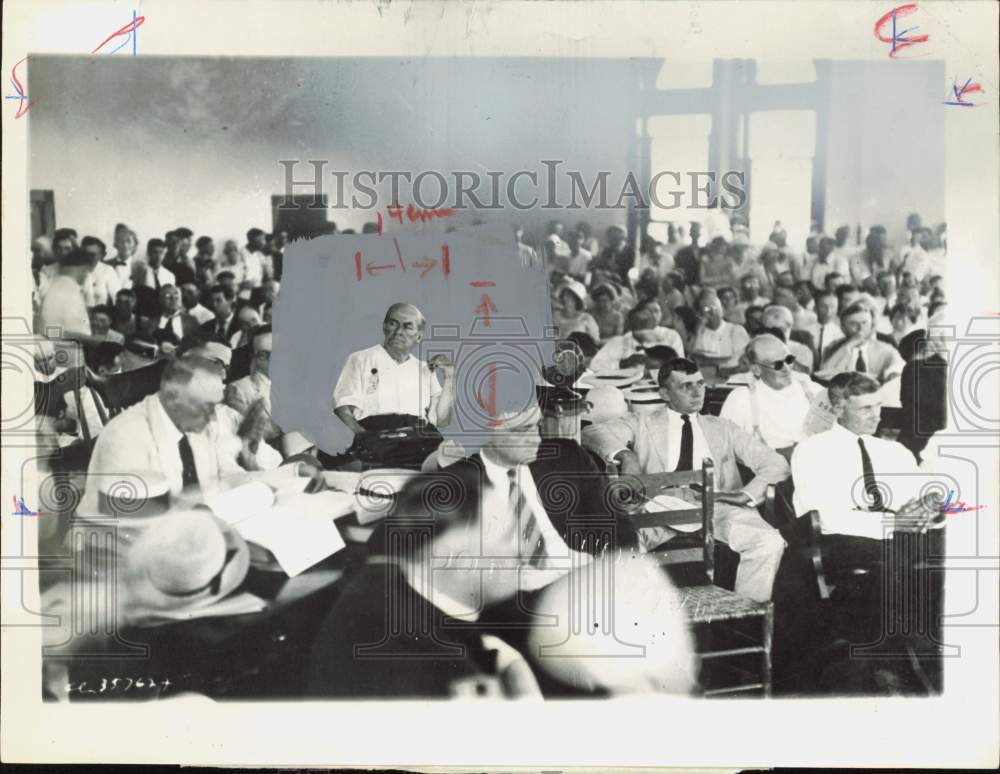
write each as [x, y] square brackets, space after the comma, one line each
[532, 543]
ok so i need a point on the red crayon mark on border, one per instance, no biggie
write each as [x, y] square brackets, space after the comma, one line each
[20, 96]
[967, 88]
[483, 284]
[357, 265]
[445, 260]
[128, 29]
[897, 39]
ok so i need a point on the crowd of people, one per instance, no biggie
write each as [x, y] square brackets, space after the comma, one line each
[807, 341]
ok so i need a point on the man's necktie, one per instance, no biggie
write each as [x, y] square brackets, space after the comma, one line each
[156, 278]
[871, 485]
[190, 474]
[532, 544]
[860, 364]
[822, 332]
[686, 459]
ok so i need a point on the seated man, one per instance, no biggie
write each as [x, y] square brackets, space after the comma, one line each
[176, 431]
[255, 389]
[407, 624]
[837, 475]
[775, 406]
[677, 438]
[860, 350]
[627, 350]
[780, 318]
[388, 379]
[716, 342]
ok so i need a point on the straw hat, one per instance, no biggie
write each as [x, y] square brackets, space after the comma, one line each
[186, 560]
[606, 403]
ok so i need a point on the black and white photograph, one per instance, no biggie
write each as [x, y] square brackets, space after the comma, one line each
[354, 380]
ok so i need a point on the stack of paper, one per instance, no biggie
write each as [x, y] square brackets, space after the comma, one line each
[297, 529]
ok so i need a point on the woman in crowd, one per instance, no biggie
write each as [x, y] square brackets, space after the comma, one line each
[572, 317]
[610, 322]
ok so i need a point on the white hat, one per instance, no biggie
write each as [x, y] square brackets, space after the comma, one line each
[185, 560]
[577, 289]
[606, 403]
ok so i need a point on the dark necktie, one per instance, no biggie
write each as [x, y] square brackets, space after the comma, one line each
[685, 461]
[822, 331]
[860, 364]
[222, 332]
[871, 485]
[156, 277]
[190, 474]
[532, 545]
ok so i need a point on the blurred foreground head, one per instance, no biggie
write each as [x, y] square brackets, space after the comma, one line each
[621, 630]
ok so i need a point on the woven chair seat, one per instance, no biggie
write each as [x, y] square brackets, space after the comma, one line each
[705, 604]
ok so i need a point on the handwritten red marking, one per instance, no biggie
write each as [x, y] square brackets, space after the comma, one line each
[967, 88]
[399, 254]
[897, 39]
[445, 260]
[485, 308]
[483, 284]
[372, 268]
[357, 265]
[127, 29]
[396, 213]
[427, 264]
[379, 222]
[414, 214]
[19, 87]
[490, 406]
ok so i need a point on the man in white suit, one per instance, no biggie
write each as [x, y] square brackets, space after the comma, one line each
[178, 431]
[678, 438]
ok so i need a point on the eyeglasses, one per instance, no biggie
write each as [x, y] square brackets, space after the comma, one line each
[264, 354]
[777, 365]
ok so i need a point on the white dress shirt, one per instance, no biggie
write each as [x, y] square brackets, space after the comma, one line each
[824, 335]
[829, 478]
[776, 416]
[253, 268]
[200, 313]
[143, 275]
[496, 507]
[728, 341]
[102, 285]
[675, 427]
[175, 322]
[619, 348]
[376, 384]
[835, 263]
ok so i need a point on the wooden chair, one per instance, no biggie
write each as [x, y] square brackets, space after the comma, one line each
[119, 391]
[726, 625]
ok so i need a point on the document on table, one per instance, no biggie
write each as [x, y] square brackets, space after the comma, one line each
[298, 528]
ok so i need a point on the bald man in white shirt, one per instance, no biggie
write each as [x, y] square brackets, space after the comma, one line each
[388, 379]
[775, 405]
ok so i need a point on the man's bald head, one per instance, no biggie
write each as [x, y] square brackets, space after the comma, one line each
[769, 360]
[776, 316]
[407, 309]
